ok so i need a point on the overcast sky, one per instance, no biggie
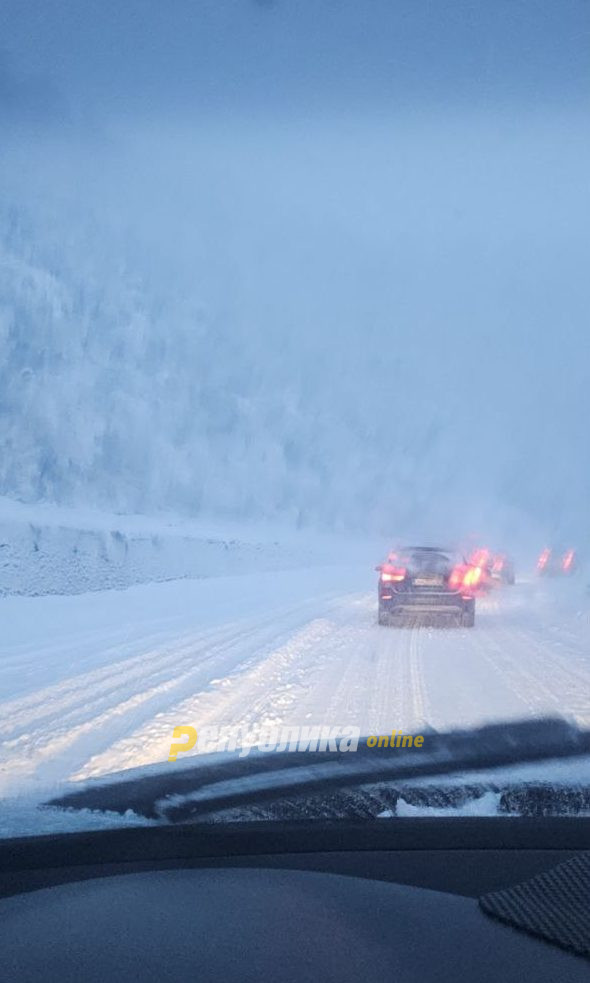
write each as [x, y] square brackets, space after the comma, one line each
[189, 55]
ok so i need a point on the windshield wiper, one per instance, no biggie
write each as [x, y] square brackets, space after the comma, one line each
[215, 783]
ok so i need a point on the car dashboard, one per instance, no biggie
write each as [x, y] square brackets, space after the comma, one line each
[390, 899]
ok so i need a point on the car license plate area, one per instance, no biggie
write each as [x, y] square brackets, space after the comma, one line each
[434, 580]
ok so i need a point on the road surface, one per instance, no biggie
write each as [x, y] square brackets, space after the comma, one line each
[95, 683]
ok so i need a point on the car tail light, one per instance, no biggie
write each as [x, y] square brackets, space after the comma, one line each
[465, 578]
[393, 573]
[568, 560]
[456, 578]
[543, 559]
[479, 558]
[472, 577]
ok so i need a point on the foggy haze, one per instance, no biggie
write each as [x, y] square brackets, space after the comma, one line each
[323, 263]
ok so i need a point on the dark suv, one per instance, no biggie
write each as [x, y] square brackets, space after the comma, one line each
[427, 580]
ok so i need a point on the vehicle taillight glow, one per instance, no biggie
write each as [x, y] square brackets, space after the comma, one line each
[568, 560]
[479, 558]
[543, 559]
[465, 578]
[472, 577]
[393, 573]
[456, 578]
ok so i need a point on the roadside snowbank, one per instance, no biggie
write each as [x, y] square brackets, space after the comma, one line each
[49, 550]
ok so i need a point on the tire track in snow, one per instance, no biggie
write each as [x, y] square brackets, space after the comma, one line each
[420, 707]
[60, 725]
[538, 698]
[251, 701]
[322, 661]
[566, 677]
[146, 666]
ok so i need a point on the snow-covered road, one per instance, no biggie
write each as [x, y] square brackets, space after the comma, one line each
[95, 683]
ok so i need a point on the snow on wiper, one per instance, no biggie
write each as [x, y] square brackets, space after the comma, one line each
[220, 783]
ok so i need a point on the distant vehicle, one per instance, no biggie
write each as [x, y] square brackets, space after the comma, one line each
[428, 580]
[497, 568]
[502, 569]
[482, 559]
[556, 562]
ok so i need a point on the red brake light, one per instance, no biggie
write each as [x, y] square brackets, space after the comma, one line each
[456, 578]
[472, 577]
[465, 577]
[393, 573]
[480, 557]
[543, 559]
[568, 559]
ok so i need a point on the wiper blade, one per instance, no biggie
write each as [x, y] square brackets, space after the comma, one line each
[217, 783]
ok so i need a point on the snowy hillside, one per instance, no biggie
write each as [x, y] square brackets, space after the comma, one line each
[231, 354]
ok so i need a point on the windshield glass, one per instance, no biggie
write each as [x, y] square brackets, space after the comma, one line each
[433, 560]
[283, 288]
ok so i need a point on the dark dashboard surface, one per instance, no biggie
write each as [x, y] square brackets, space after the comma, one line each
[237, 925]
[332, 901]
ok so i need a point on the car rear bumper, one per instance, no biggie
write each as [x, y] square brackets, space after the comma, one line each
[440, 602]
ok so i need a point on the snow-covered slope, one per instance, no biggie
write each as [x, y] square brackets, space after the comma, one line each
[52, 550]
[285, 350]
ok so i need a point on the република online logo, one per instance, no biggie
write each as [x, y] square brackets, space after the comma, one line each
[286, 738]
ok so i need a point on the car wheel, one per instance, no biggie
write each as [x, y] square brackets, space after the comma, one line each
[468, 616]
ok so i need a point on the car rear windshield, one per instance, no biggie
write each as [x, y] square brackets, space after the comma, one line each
[430, 560]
